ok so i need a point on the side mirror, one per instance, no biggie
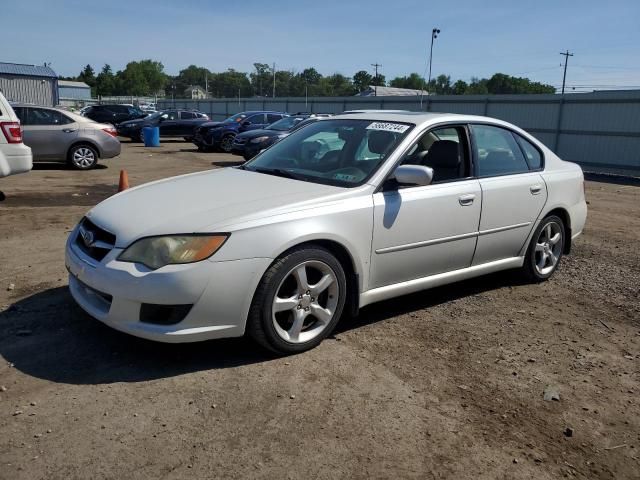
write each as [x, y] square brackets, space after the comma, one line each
[413, 175]
[246, 123]
[163, 117]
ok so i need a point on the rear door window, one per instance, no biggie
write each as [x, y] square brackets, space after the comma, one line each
[187, 115]
[273, 117]
[497, 152]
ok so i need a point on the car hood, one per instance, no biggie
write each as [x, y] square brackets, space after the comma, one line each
[259, 133]
[214, 124]
[137, 121]
[209, 201]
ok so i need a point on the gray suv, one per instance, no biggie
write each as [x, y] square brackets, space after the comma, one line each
[58, 135]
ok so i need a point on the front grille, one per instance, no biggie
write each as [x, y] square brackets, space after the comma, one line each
[93, 240]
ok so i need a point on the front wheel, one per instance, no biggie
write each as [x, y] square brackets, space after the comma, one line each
[545, 250]
[298, 301]
[83, 157]
[226, 143]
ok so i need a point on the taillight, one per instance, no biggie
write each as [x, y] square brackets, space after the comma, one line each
[111, 131]
[12, 131]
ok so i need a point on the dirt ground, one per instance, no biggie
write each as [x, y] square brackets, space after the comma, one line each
[446, 383]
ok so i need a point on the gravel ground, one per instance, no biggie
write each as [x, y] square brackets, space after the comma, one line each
[446, 383]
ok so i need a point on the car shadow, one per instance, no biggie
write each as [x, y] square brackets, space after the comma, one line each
[63, 166]
[611, 178]
[47, 336]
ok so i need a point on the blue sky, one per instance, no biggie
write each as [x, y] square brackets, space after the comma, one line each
[478, 38]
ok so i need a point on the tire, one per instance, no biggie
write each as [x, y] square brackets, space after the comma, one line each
[310, 305]
[545, 250]
[83, 157]
[226, 143]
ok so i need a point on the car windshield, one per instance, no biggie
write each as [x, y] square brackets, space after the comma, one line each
[344, 153]
[284, 124]
[155, 115]
[238, 117]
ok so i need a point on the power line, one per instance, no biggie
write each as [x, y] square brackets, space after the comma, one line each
[566, 60]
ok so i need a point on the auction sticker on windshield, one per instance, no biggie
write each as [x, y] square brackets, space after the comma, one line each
[388, 127]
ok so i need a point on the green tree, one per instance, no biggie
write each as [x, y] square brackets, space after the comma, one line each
[106, 81]
[228, 84]
[145, 77]
[262, 79]
[501, 83]
[362, 80]
[379, 81]
[460, 87]
[192, 75]
[414, 81]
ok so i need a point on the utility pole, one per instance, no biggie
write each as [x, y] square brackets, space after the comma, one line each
[375, 86]
[566, 60]
[274, 79]
[206, 85]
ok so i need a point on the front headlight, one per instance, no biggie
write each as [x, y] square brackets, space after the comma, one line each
[259, 139]
[156, 252]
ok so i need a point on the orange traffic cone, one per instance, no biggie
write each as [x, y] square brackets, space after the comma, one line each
[124, 181]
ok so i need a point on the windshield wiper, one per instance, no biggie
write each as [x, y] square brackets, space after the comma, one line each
[279, 172]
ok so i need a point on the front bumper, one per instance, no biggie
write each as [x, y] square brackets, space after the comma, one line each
[113, 292]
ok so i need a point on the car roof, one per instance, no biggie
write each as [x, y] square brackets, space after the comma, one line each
[418, 118]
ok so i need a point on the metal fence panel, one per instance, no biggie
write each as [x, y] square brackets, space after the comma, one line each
[600, 130]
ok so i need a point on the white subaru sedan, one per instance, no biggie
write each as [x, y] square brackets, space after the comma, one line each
[347, 211]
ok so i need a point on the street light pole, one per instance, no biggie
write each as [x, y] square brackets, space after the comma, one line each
[434, 35]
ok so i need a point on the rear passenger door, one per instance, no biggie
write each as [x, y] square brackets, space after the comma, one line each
[48, 132]
[186, 124]
[513, 191]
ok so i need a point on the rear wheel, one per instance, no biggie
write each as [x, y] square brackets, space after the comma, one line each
[299, 301]
[545, 250]
[83, 157]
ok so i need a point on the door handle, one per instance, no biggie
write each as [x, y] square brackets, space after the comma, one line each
[69, 130]
[466, 200]
[535, 189]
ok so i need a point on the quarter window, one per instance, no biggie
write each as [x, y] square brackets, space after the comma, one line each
[531, 153]
[496, 152]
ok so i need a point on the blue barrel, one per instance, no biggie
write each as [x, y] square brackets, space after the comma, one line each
[151, 136]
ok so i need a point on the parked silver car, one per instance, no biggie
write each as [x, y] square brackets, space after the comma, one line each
[344, 212]
[58, 135]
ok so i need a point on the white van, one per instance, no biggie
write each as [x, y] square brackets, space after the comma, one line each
[15, 156]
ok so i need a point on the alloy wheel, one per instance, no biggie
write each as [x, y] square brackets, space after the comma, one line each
[226, 143]
[548, 248]
[305, 302]
[83, 157]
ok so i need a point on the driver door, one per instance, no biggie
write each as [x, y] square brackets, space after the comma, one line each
[169, 124]
[425, 230]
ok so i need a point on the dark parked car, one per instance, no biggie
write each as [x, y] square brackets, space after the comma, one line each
[113, 114]
[172, 123]
[213, 135]
[249, 144]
